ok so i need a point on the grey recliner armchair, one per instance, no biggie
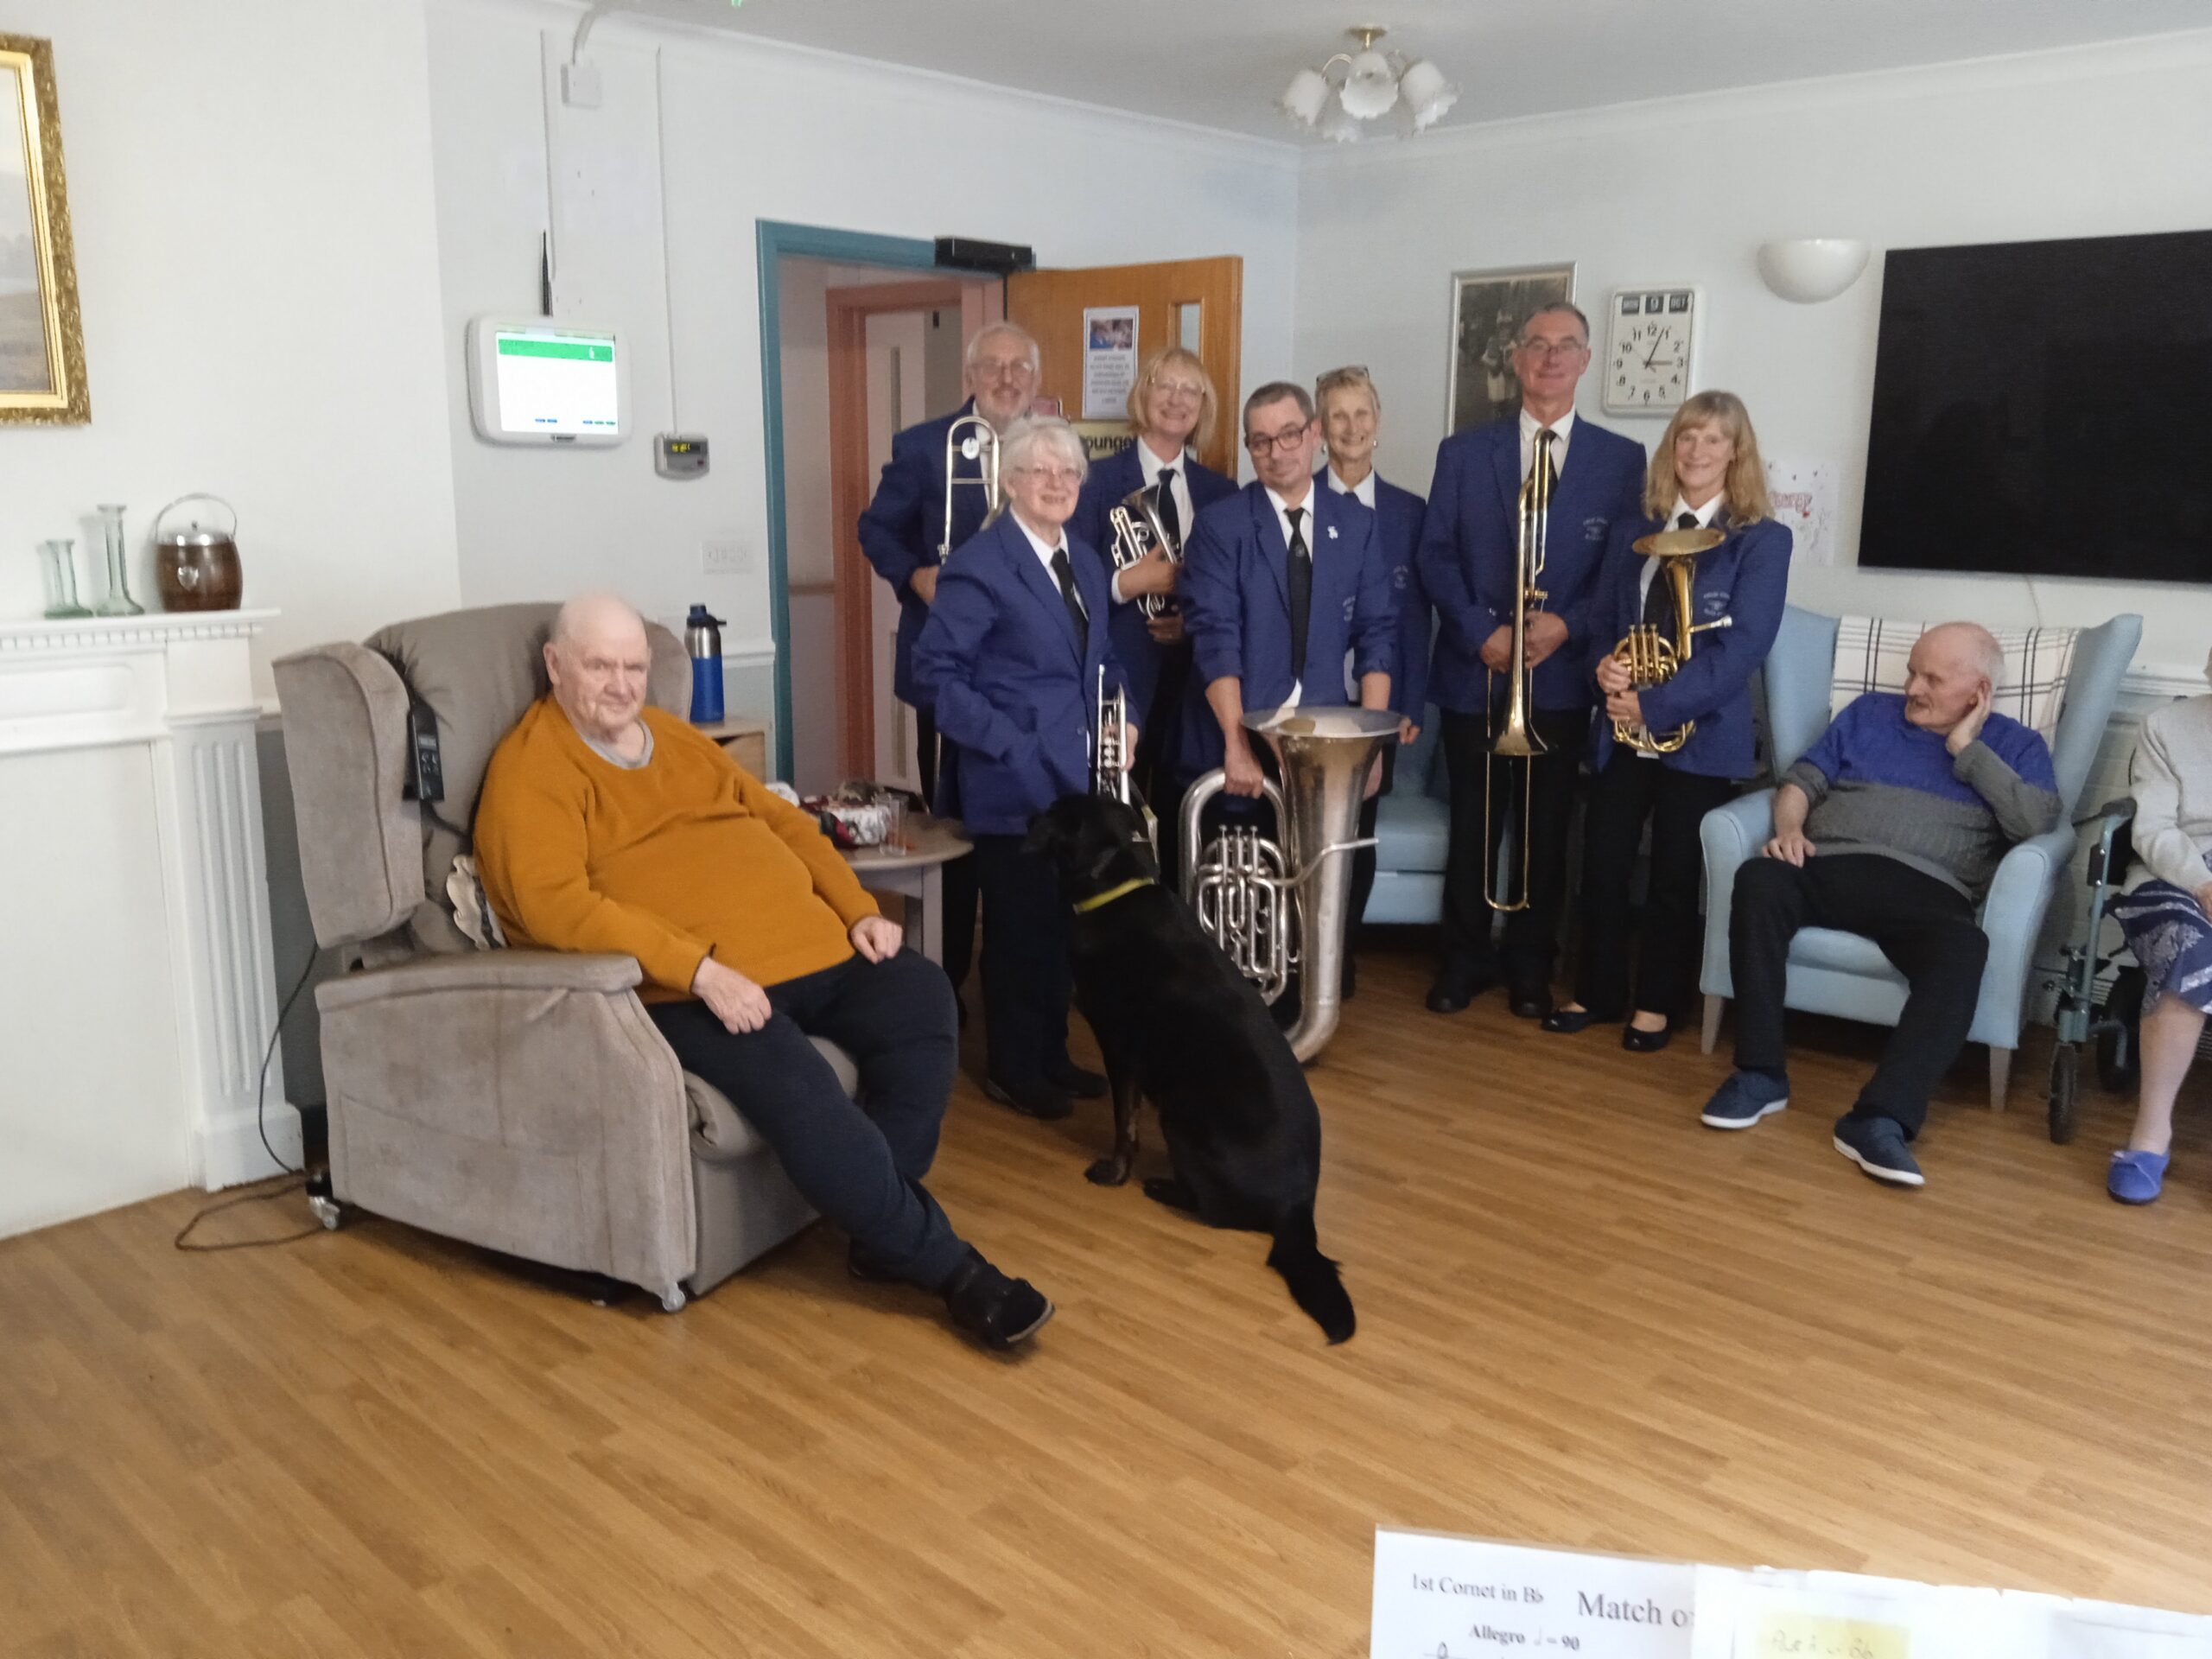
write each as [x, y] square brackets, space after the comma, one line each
[520, 1100]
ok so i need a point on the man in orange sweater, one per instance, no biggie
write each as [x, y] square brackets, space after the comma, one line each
[609, 826]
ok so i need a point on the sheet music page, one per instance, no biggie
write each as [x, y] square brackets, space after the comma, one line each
[1438, 1597]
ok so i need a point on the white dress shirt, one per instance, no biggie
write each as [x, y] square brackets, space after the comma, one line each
[1703, 517]
[1312, 552]
[1562, 434]
[1363, 491]
[1044, 550]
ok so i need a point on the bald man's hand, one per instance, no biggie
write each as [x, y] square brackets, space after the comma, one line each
[1969, 726]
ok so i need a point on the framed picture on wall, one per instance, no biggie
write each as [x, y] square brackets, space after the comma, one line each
[1487, 306]
[41, 331]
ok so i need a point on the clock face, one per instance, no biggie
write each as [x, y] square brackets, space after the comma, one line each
[1651, 335]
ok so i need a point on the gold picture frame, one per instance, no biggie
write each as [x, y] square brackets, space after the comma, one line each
[41, 328]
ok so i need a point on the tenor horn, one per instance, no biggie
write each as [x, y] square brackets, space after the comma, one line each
[970, 438]
[1134, 528]
[1273, 905]
[1649, 656]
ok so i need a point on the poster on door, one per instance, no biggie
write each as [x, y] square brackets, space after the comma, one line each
[1110, 360]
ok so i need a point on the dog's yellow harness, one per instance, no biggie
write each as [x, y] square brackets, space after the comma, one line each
[1097, 899]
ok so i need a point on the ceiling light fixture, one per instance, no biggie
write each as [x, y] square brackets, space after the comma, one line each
[1373, 86]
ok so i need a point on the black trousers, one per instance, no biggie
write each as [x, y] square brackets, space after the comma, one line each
[1924, 926]
[1362, 861]
[1160, 736]
[959, 875]
[861, 1165]
[1027, 979]
[1622, 797]
[1532, 934]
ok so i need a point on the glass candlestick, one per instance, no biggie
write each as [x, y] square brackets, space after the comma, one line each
[59, 562]
[119, 601]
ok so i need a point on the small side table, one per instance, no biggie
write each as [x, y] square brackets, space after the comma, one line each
[746, 738]
[917, 875]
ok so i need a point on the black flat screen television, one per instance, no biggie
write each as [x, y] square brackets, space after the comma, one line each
[2046, 409]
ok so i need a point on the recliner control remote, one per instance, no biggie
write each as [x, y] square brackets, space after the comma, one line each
[429, 782]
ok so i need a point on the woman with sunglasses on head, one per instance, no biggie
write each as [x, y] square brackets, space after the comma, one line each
[1706, 476]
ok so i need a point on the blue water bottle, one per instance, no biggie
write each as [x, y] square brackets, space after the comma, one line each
[703, 639]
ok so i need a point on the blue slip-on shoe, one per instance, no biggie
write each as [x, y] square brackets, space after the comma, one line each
[1746, 1098]
[2136, 1177]
[1877, 1146]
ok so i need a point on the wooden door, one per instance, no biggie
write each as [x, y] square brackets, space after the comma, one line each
[1195, 302]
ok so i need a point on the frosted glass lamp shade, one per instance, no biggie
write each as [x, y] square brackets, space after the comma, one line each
[1337, 127]
[1427, 94]
[1809, 270]
[1370, 88]
[1303, 99]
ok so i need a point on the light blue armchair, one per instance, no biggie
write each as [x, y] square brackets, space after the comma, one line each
[1413, 834]
[1844, 974]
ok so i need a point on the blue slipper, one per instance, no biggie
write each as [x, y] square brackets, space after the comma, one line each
[2136, 1177]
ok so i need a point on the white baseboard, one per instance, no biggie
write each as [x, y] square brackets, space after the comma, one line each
[229, 1152]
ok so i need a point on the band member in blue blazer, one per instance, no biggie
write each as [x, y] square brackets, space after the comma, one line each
[1011, 657]
[1352, 424]
[902, 528]
[1707, 474]
[1468, 560]
[1281, 583]
[1173, 406]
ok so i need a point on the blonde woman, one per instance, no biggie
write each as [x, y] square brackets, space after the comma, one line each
[1705, 473]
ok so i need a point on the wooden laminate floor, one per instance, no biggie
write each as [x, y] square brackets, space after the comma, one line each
[1584, 1320]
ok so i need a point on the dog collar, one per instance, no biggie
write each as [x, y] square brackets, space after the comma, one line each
[1097, 899]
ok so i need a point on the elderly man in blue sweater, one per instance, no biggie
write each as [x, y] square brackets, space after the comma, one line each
[1891, 826]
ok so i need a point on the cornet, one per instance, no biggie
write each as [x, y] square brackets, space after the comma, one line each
[1515, 739]
[1649, 656]
[1109, 771]
[970, 438]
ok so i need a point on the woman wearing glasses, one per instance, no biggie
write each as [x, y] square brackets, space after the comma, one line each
[1706, 475]
[1173, 406]
[1010, 657]
[1352, 424]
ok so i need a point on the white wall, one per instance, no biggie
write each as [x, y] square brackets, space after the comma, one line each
[250, 193]
[2097, 142]
[745, 132]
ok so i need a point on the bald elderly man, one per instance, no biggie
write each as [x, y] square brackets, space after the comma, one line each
[1891, 826]
[609, 826]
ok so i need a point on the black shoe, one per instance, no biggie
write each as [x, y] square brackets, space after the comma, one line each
[1529, 1001]
[1071, 1078]
[1876, 1145]
[865, 1269]
[1567, 1021]
[998, 1312]
[1455, 987]
[1037, 1099]
[1646, 1042]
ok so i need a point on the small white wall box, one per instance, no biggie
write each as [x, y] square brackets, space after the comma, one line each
[532, 380]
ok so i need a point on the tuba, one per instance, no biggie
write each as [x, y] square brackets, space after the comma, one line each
[1275, 905]
[970, 438]
[1649, 656]
[1514, 739]
[1134, 528]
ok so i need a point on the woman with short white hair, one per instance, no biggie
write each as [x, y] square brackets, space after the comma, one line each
[1012, 657]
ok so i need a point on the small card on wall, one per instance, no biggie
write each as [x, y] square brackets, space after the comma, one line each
[1438, 1597]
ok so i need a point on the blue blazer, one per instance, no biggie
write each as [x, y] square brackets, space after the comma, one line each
[1012, 688]
[1398, 516]
[1102, 490]
[901, 528]
[1237, 605]
[1746, 577]
[1467, 546]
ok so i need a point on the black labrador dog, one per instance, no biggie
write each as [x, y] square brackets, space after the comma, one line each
[1178, 1023]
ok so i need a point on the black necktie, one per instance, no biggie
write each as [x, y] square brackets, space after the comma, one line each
[1171, 516]
[1300, 573]
[1659, 597]
[1686, 521]
[1064, 572]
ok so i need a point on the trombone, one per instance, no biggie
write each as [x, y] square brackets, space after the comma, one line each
[1515, 740]
[970, 438]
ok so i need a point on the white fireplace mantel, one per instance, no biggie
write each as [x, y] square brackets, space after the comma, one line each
[129, 783]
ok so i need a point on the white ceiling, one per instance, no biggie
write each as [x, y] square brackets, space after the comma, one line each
[1221, 63]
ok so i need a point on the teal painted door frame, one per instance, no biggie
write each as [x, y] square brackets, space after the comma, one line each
[777, 239]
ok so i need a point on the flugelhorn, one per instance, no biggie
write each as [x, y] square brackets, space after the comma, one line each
[1275, 905]
[1649, 656]
[1134, 528]
[970, 438]
[1515, 740]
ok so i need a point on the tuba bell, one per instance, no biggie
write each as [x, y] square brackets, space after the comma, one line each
[1515, 739]
[1649, 656]
[970, 438]
[1134, 528]
[1273, 906]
